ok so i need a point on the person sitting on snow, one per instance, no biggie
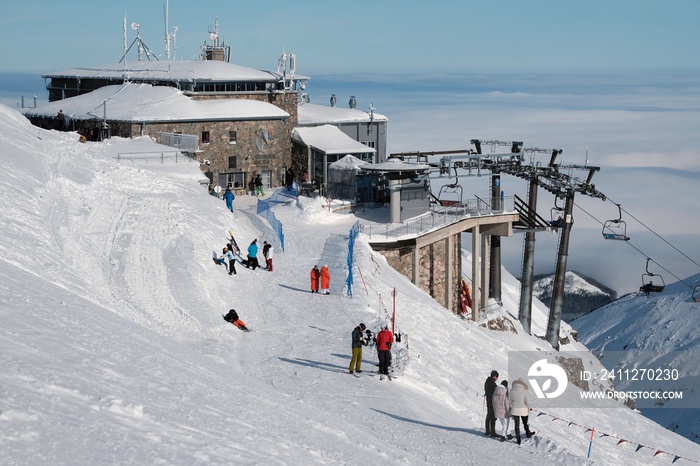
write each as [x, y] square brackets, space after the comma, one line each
[233, 318]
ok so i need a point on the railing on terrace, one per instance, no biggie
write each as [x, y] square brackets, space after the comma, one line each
[184, 142]
[438, 217]
[161, 157]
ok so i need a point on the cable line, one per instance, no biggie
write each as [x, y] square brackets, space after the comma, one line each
[642, 252]
[660, 237]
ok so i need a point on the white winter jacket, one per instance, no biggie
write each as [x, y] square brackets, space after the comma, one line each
[519, 399]
[501, 407]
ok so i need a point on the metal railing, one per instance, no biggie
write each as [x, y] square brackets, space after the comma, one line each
[438, 217]
[184, 142]
[162, 157]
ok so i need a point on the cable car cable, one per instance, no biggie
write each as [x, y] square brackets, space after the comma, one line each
[639, 250]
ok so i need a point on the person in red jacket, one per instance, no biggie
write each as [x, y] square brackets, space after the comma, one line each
[325, 280]
[384, 341]
[315, 276]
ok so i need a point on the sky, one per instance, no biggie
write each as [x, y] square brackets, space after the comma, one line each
[362, 36]
[113, 349]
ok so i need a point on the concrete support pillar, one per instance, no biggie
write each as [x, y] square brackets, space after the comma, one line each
[395, 201]
[416, 266]
[449, 276]
[476, 276]
[485, 266]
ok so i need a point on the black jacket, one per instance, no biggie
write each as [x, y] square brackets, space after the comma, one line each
[357, 339]
[489, 388]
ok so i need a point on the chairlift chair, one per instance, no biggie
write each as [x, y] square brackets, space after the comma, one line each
[696, 294]
[616, 229]
[450, 195]
[556, 217]
[651, 282]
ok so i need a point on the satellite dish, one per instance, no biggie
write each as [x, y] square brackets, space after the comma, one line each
[213, 36]
[135, 26]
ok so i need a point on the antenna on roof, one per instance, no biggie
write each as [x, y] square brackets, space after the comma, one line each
[124, 30]
[216, 51]
[141, 47]
[168, 35]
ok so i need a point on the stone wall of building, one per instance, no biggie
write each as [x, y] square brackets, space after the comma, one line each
[432, 263]
[258, 145]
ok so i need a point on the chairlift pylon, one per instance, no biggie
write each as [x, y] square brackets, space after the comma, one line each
[655, 282]
[616, 229]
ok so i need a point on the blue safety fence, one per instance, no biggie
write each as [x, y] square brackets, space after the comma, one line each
[354, 231]
[263, 209]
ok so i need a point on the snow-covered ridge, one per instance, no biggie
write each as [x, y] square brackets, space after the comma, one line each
[650, 330]
[573, 283]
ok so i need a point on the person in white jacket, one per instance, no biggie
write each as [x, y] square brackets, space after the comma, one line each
[520, 407]
[267, 252]
[501, 409]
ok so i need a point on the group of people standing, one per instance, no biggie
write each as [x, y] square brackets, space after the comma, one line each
[504, 404]
[321, 278]
[252, 260]
[383, 340]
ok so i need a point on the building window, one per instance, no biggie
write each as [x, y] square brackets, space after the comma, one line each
[235, 179]
[205, 137]
[231, 137]
[232, 162]
[369, 144]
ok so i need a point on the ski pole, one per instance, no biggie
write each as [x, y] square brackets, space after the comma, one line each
[590, 444]
[483, 410]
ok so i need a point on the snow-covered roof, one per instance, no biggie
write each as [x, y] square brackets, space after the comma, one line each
[330, 140]
[146, 103]
[347, 163]
[395, 165]
[187, 71]
[312, 114]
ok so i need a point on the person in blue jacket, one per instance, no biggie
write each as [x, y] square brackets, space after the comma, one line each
[253, 255]
[229, 197]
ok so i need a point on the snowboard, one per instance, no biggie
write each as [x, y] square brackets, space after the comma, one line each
[234, 243]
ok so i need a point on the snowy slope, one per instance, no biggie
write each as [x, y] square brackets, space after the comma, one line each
[113, 350]
[650, 332]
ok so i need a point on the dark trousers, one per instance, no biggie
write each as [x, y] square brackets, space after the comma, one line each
[490, 418]
[232, 266]
[384, 361]
[517, 425]
[252, 262]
